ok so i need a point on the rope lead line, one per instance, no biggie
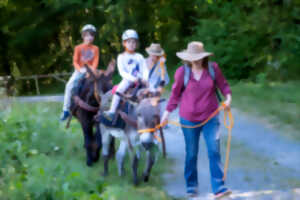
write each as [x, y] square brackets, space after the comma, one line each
[229, 125]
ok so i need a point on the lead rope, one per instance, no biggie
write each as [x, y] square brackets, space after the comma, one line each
[227, 114]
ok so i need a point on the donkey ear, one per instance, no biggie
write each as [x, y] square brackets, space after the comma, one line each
[90, 72]
[110, 68]
[142, 94]
[127, 99]
[99, 74]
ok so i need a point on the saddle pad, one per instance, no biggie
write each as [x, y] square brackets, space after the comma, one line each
[120, 123]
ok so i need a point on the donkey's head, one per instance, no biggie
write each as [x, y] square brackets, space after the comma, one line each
[148, 117]
[98, 82]
[147, 109]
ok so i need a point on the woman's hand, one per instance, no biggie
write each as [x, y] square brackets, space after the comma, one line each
[228, 101]
[164, 119]
[111, 67]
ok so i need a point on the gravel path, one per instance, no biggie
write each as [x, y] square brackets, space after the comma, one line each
[263, 165]
[53, 98]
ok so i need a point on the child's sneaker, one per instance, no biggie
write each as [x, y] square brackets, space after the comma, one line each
[64, 115]
[109, 115]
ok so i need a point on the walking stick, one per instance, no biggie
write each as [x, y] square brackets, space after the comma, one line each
[163, 142]
[229, 127]
[69, 121]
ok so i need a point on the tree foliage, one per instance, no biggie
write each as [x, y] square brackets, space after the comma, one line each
[39, 36]
[248, 38]
[252, 39]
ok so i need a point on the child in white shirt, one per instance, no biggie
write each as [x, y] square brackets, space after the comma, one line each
[131, 67]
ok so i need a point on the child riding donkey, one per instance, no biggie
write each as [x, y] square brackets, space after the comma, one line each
[131, 67]
[141, 115]
[84, 54]
[85, 101]
[158, 77]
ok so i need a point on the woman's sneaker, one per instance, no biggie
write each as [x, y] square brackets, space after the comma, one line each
[192, 194]
[223, 194]
[109, 115]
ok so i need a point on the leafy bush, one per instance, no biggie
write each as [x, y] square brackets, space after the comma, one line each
[251, 37]
[41, 160]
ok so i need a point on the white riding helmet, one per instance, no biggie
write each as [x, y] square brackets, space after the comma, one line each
[130, 33]
[88, 27]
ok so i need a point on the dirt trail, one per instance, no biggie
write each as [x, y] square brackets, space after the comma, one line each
[263, 164]
[53, 98]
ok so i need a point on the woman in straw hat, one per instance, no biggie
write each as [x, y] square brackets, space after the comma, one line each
[158, 75]
[198, 101]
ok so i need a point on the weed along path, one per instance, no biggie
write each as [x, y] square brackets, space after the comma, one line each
[263, 165]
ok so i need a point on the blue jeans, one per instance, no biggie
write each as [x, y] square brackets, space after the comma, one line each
[212, 140]
[72, 82]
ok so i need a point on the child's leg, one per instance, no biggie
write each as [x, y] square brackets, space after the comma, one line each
[122, 87]
[68, 90]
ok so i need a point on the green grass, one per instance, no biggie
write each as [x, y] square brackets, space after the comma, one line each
[41, 160]
[246, 161]
[276, 103]
[46, 87]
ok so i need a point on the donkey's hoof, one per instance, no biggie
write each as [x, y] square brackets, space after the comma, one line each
[89, 162]
[95, 159]
[146, 178]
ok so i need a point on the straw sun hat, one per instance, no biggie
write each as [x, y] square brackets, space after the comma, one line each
[155, 49]
[195, 51]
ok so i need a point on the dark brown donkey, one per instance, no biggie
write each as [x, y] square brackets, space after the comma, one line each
[86, 102]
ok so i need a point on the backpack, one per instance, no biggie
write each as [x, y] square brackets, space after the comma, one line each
[211, 70]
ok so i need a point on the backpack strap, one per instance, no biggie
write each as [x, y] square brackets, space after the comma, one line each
[152, 70]
[211, 71]
[212, 74]
[187, 73]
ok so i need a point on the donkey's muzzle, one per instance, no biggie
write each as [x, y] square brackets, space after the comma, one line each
[147, 145]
